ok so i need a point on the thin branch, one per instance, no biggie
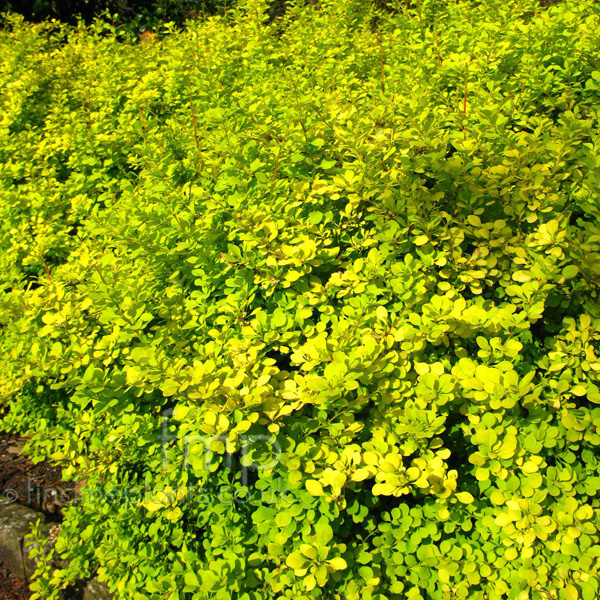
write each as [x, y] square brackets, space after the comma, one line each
[279, 153]
[196, 136]
[465, 106]
[381, 60]
[45, 265]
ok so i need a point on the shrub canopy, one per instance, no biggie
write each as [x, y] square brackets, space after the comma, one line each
[311, 309]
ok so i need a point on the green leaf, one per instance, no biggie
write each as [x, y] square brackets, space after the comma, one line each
[381, 313]
[572, 592]
[314, 488]
[283, 519]
[337, 564]
[324, 532]
[465, 497]
[522, 276]
[279, 318]
[169, 387]
[191, 579]
[296, 561]
[292, 276]
[570, 271]
[309, 551]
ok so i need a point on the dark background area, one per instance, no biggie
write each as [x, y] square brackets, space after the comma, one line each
[139, 14]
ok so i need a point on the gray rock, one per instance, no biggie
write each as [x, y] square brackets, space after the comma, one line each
[95, 590]
[30, 564]
[15, 524]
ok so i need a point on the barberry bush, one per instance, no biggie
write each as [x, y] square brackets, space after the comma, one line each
[309, 309]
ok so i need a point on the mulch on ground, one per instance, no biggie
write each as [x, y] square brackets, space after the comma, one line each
[38, 486]
[11, 587]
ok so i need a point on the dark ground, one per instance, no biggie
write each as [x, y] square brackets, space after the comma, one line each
[38, 486]
[11, 587]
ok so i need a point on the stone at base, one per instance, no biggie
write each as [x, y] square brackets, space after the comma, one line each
[95, 590]
[15, 524]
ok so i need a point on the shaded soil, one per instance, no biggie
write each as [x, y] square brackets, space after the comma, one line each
[11, 587]
[38, 486]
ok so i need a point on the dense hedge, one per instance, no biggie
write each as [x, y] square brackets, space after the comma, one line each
[360, 250]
